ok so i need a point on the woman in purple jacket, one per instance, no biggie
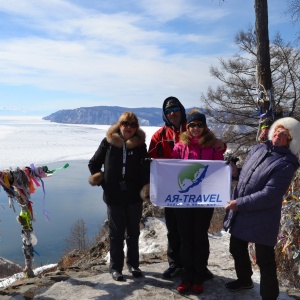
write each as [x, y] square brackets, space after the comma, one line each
[254, 213]
[198, 142]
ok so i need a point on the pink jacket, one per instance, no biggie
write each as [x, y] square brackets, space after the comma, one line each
[197, 148]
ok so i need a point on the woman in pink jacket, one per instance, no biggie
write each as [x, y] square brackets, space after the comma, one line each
[193, 223]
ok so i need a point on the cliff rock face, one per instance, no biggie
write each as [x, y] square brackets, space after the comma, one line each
[106, 115]
[8, 268]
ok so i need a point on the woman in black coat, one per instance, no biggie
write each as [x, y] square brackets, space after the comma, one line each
[122, 154]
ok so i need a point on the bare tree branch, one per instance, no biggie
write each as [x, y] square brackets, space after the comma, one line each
[234, 101]
[78, 237]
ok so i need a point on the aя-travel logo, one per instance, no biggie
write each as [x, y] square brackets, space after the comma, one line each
[191, 176]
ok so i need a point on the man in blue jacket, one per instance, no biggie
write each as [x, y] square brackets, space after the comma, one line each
[255, 211]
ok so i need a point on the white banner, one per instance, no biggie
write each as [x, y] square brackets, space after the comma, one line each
[190, 183]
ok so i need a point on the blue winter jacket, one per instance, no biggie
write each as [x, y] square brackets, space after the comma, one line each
[264, 179]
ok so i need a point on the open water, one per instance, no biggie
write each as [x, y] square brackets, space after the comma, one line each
[68, 197]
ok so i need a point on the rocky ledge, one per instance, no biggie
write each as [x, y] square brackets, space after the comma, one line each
[84, 275]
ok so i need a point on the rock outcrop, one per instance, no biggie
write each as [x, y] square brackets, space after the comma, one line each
[8, 268]
[84, 275]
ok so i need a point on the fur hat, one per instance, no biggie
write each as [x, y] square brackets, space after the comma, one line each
[196, 115]
[293, 127]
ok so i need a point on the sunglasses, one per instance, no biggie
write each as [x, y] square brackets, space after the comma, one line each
[129, 124]
[193, 125]
[172, 109]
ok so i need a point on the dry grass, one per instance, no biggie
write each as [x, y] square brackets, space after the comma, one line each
[216, 223]
[69, 259]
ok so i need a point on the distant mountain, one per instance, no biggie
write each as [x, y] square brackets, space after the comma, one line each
[106, 115]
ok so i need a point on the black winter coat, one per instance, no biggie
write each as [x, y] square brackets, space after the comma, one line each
[110, 156]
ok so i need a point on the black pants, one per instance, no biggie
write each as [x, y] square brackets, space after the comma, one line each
[265, 259]
[173, 251]
[124, 223]
[193, 225]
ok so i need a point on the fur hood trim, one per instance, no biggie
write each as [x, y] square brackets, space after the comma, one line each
[145, 192]
[294, 128]
[114, 138]
[209, 139]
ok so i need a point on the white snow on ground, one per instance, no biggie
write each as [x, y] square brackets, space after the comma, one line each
[8, 281]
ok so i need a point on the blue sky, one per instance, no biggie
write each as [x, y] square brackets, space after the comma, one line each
[59, 54]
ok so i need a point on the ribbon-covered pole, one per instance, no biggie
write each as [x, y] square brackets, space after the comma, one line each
[19, 184]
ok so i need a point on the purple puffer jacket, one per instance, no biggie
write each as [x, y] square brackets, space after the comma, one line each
[195, 148]
[265, 177]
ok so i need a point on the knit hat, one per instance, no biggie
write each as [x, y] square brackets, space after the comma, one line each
[195, 115]
[293, 127]
[172, 102]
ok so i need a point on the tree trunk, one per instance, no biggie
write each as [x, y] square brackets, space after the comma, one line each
[263, 50]
[266, 103]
